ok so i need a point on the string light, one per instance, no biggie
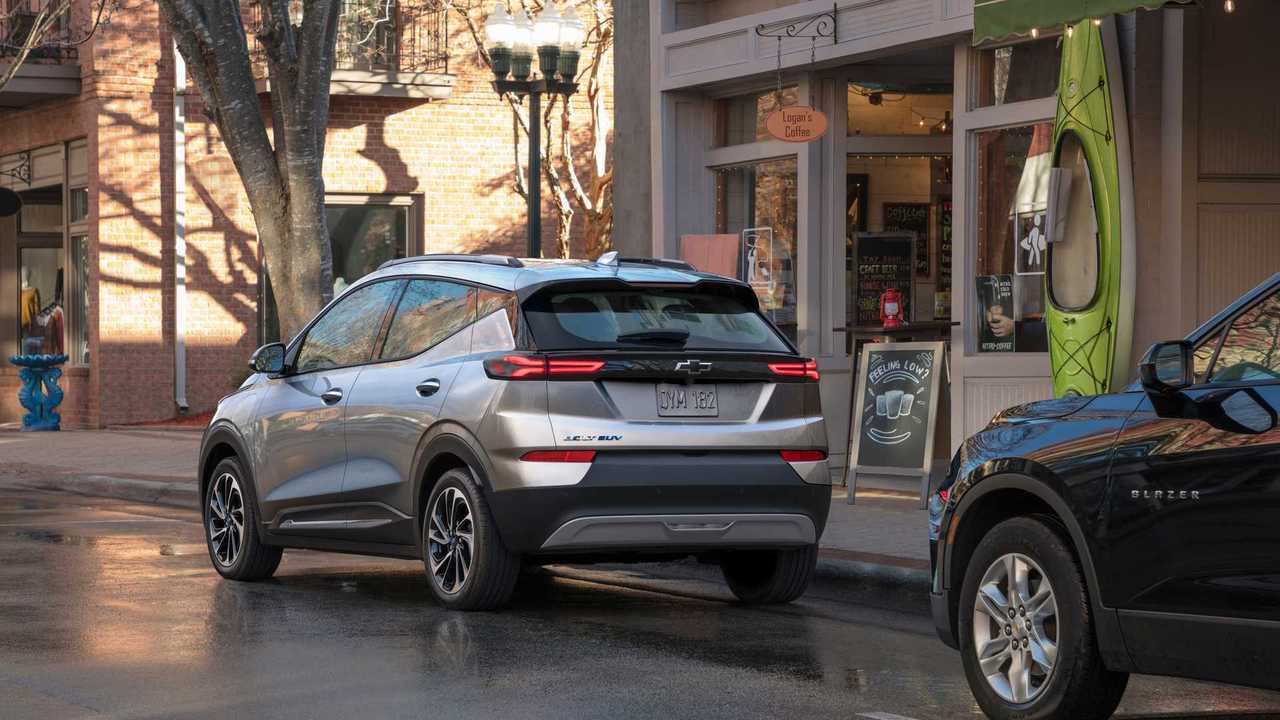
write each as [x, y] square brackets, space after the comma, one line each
[1229, 5]
[1071, 30]
[1035, 33]
[1097, 22]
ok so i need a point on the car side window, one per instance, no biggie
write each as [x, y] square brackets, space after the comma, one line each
[429, 311]
[491, 301]
[1251, 348]
[345, 334]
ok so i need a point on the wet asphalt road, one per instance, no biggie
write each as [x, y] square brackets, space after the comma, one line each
[109, 609]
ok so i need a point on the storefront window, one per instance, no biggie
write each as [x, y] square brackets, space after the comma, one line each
[1012, 197]
[740, 119]
[876, 109]
[757, 202]
[361, 237]
[78, 198]
[78, 325]
[1013, 73]
[886, 197]
[40, 313]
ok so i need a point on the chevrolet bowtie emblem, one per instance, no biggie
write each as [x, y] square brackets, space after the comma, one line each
[693, 367]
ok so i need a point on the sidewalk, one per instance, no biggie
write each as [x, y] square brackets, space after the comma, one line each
[883, 535]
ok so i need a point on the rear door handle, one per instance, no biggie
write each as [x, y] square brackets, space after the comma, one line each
[427, 388]
[331, 396]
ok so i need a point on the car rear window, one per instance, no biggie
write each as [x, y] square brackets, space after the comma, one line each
[647, 318]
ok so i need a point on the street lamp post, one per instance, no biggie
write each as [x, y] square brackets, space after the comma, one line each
[511, 42]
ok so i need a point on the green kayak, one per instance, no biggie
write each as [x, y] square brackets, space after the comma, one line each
[1089, 282]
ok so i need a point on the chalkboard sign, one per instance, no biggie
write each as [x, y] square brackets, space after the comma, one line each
[912, 217]
[894, 409]
[883, 260]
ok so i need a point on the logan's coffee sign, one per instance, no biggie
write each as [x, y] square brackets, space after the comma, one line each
[796, 123]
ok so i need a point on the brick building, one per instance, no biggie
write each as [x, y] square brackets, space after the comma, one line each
[419, 158]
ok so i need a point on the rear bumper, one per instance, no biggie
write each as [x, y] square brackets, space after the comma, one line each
[666, 502]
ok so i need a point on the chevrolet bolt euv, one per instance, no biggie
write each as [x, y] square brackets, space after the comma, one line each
[480, 412]
[1081, 539]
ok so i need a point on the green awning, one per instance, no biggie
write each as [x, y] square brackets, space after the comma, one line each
[1000, 19]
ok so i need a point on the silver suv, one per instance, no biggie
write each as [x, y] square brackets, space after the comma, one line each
[478, 412]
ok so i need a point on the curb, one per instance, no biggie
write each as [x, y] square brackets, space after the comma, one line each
[176, 494]
[835, 564]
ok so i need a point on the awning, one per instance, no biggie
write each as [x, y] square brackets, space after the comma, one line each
[999, 19]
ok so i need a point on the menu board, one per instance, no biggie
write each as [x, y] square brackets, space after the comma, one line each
[894, 408]
[942, 294]
[882, 260]
[912, 217]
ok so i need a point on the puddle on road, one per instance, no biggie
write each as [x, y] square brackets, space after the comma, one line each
[175, 550]
[55, 538]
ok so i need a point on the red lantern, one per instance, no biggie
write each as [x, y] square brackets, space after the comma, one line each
[892, 314]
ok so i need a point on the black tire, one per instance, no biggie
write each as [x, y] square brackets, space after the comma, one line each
[492, 572]
[253, 559]
[1079, 686]
[768, 577]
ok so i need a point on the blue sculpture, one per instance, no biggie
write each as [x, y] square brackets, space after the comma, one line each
[40, 393]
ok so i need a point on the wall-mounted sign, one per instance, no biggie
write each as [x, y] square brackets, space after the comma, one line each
[796, 123]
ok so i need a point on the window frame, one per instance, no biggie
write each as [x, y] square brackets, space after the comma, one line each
[295, 345]
[1222, 329]
[295, 349]
[385, 332]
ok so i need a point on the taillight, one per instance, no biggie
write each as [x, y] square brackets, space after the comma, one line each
[564, 456]
[803, 455]
[534, 367]
[807, 369]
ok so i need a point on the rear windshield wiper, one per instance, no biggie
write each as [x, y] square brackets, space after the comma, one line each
[675, 337]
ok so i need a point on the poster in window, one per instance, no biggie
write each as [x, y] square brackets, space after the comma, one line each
[942, 295]
[1032, 238]
[912, 217]
[996, 313]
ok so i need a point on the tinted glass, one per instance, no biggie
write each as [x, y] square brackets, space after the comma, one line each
[346, 333]
[430, 311]
[1251, 350]
[491, 301]
[1203, 355]
[604, 319]
[741, 119]
[1073, 257]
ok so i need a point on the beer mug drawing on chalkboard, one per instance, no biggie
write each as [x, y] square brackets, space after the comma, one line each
[893, 404]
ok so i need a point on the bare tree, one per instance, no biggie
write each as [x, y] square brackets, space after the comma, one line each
[578, 184]
[282, 170]
[44, 29]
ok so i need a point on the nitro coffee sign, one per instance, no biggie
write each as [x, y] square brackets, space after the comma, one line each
[796, 123]
[895, 406]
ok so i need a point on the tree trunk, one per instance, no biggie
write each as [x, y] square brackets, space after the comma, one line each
[281, 172]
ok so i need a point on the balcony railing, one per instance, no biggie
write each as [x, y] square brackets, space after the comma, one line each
[383, 36]
[18, 17]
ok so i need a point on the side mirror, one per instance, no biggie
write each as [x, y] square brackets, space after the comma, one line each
[1167, 367]
[268, 359]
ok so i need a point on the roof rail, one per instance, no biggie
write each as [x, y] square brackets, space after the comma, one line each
[612, 259]
[503, 260]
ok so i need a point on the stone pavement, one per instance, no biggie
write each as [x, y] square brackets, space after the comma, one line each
[883, 534]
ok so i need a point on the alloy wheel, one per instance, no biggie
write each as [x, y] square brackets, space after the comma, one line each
[450, 540]
[1015, 628]
[226, 519]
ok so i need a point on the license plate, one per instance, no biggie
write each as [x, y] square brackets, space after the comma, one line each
[687, 401]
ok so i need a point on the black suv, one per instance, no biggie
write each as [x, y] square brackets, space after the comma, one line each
[1077, 540]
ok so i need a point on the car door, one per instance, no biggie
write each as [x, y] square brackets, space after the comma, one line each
[301, 448]
[396, 400]
[1192, 532]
